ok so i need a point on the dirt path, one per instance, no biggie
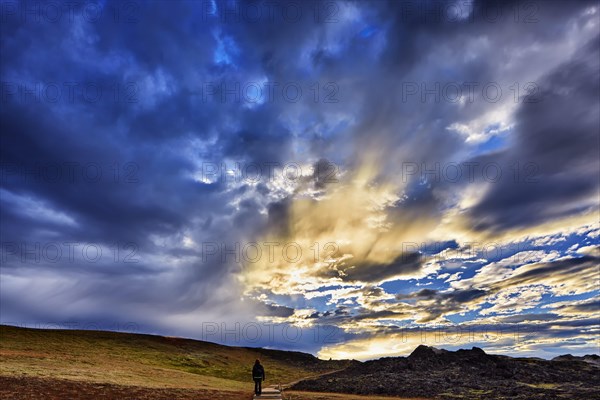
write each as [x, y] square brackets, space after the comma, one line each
[290, 384]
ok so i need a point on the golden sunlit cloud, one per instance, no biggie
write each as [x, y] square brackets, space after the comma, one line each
[341, 237]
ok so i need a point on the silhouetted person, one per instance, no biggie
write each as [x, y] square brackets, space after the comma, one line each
[258, 374]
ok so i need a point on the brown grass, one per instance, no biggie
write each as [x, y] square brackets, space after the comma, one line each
[60, 389]
[137, 360]
[68, 364]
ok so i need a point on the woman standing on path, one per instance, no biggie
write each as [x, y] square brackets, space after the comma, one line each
[258, 374]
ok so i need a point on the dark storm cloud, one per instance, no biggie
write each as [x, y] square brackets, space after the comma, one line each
[458, 296]
[373, 273]
[557, 135]
[590, 306]
[324, 172]
[171, 124]
[512, 319]
[278, 217]
[274, 310]
[150, 137]
[341, 318]
[414, 131]
[541, 128]
[147, 133]
[434, 304]
[574, 274]
[168, 57]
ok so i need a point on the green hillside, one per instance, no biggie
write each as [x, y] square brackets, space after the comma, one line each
[146, 360]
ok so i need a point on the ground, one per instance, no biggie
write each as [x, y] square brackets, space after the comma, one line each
[13, 388]
[62, 364]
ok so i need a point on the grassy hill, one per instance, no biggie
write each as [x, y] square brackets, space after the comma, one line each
[148, 360]
[83, 364]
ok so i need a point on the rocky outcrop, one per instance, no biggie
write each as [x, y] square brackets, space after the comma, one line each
[472, 374]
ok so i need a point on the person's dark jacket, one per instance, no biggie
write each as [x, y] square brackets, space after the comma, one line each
[258, 372]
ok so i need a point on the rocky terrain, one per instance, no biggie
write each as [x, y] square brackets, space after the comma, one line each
[469, 374]
[72, 364]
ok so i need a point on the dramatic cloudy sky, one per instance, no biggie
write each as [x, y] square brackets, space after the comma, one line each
[347, 178]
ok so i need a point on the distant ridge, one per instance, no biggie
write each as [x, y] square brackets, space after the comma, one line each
[589, 358]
